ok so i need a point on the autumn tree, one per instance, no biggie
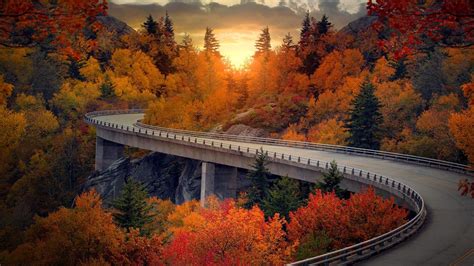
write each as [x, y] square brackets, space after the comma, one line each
[461, 124]
[133, 210]
[49, 25]
[365, 119]
[225, 234]
[418, 25]
[71, 236]
[5, 91]
[283, 198]
[259, 177]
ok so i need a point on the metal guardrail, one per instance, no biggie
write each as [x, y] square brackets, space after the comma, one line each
[435, 163]
[352, 253]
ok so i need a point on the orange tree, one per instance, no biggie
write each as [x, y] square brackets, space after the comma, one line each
[58, 24]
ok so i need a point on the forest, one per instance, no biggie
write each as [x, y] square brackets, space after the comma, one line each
[404, 83]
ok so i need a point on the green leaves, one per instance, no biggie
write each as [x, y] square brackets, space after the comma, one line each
[133, 210]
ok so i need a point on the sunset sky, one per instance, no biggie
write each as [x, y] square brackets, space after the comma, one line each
[236, 25]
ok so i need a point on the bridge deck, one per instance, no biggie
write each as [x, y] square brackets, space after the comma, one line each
[447, 236]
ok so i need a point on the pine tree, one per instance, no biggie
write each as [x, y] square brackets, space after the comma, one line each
[305, 31]
[282, 198]
[400, 67]
[211, 45]
[150, 25]
[263, 44]
[107, 88]
[186, 43]
[168, 25]
[324, 25]
[307, 45]
[133, 210]
[259, 178]
[287, 42]
[331, 180]
[74, 68]
[365, 119]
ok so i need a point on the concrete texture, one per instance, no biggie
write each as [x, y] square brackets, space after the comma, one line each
[447, 236]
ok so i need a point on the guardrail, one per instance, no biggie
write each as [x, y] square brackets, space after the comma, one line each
[348, 254]
[306, 145]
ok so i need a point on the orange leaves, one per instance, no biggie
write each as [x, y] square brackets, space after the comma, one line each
[220, 234]
[66, 20]
[462, 128]
[330, 131]
[229, 235]
[344, 222]
[71, 236]
[335, 67]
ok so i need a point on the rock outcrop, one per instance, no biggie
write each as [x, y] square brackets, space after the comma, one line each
[164, 176]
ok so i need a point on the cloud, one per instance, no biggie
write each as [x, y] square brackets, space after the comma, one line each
[236, 26]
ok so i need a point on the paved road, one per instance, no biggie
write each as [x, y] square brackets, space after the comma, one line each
[448, 234]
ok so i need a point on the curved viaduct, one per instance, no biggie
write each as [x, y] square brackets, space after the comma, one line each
[444, 220]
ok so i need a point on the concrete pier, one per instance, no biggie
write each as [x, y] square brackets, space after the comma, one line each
[106, 152]
[207, 181]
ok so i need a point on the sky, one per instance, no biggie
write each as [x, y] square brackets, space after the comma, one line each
[237, 23]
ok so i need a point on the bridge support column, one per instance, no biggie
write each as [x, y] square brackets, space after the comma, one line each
[207, 181]
[106, 152]
[226, 181]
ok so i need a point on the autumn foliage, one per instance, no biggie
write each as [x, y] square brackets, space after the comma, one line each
[58, 24]
[220, 234]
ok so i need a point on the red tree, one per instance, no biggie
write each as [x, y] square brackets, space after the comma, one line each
[417, 24]
[56, 24]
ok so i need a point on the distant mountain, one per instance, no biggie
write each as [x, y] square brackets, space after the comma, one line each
[115, 25]
[358, 26]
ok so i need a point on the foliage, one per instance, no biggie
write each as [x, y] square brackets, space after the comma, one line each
[365, 119]
[57, 25]
[327, 218]
[133, 209]
[331, 180]
[259, 177]
[70, 236]
[283, 198]
[414, 25]
[229, 235]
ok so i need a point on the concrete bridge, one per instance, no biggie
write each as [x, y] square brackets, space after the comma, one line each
[444, 220]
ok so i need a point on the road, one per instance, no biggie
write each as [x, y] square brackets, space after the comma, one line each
[448, 234]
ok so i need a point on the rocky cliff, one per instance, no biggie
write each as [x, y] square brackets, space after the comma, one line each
[165, 176]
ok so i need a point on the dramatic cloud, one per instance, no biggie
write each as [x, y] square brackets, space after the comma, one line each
[237, 25]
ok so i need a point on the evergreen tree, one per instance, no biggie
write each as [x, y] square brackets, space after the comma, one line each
[168, 24]
[365, 119]
[282, 198]
[211, 45]
[186, 43]
[324, 25]
[263, 44]
[74, 68]
[150, 25]
[133, 210]
[287, 42]
[107, 88]
[305, 31]
[259, 178]
[307, 45]
[400, 67]
[331, 180]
